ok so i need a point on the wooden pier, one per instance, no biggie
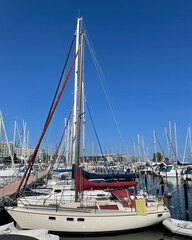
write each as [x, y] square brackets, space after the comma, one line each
[11, 188]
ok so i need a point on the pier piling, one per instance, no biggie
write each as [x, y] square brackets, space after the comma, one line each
[186, 201]
[146, 183]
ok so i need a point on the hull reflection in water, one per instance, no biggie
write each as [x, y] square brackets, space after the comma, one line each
[157, 232]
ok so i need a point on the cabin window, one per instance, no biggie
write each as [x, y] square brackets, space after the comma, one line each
[80, 219]
[52, 218]
[57, 190]
[159, 215]
[70, 219]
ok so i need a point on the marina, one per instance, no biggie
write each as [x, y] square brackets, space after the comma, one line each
[107, 158]
[175, 203]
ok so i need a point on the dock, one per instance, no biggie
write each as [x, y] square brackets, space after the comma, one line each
[11, 188]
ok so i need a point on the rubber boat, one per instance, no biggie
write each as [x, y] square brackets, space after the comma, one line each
[177, 226]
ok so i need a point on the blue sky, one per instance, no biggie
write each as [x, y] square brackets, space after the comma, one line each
[143, 47]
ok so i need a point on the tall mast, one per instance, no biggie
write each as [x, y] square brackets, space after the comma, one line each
[79, 110]
[185, 145]
[170, 140]
[67, 147]
[176, 141]
[144, 156]
[155, 145]
[8, 145]
[0, 128]
[139, 150]
[83, 106]
[14, 135]
[75, 93]
[190, 141]
[167, 143]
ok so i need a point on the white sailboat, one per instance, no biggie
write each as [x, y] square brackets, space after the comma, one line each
[123, 212]
[94, 216]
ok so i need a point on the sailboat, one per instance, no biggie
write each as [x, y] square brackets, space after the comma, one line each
[123, 211]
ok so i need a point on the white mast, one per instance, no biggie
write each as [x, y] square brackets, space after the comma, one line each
[170, 140]
[71, 144]
[155, 146]
[28, 144]
[139, 147]
[24, 143]
[9, 149]
[190, 141]
[67, 147]
[176, 141]
[75, 94]
[14, 136]
[83, 110]
[144, 156]
[0, 129]
[185, 145]
[167, 143]
[20, 136]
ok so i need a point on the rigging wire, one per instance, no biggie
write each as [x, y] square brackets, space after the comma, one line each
[44, 130]
[99, 72]
[61, 77]
[160, 145]
[51, 108]
[96, 134]
[54, 158]
[172, 148]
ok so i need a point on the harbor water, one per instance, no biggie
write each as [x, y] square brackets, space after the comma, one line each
[176, 205]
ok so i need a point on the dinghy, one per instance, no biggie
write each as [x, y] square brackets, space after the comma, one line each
[178, 226]
[41, 234]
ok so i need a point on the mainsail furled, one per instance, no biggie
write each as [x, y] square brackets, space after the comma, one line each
[82, 184]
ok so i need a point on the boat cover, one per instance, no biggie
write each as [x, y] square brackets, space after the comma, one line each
[124, 197]
[41, 234]
[82, 184]
[128, 177]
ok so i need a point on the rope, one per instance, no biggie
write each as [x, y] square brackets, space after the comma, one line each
[53, 161]
[46, 126]
[50, 110]
[177, 188]
[60, 79]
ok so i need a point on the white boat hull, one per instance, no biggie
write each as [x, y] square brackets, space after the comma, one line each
[84, 221]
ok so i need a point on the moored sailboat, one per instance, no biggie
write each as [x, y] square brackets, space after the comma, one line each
[122, 212]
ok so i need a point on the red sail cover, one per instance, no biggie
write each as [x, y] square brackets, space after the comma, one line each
[82, 184]
[123, 194]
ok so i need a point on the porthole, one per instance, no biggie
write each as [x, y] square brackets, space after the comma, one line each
[80, 219]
